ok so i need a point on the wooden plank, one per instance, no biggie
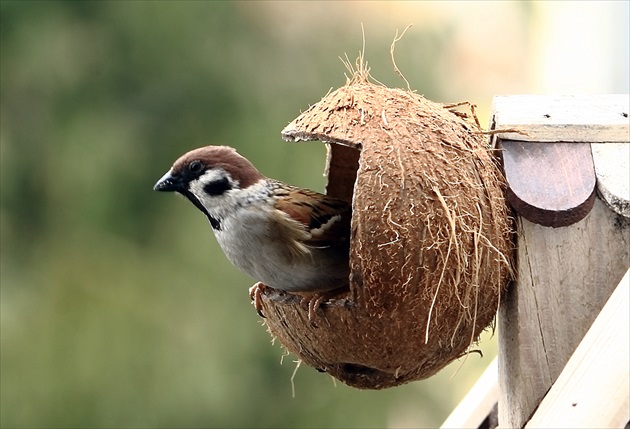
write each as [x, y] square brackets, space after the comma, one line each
[478, 402]
[612, 168]
[549, 184]
[547, 118]
[564, 277]
[593, 390]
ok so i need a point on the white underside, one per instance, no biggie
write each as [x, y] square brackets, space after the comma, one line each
[247, 239]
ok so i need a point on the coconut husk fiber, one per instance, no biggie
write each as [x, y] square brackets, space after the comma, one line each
[430, 243]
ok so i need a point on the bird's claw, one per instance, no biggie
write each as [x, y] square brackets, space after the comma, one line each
[313, 303]
[255, 293]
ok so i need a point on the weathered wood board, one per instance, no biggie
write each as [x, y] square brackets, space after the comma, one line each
[565, 276]
[576, 118]
[593, 390]
[567, 163]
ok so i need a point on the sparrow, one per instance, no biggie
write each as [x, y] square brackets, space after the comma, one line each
[286, 237]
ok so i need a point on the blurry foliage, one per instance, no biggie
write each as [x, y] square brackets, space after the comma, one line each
[118, 307]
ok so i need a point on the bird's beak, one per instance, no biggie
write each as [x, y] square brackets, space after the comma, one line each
[169, 183]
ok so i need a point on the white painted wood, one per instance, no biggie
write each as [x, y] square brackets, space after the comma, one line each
[593, 390]
[612, 168]
[564, 278]
[555, 118]
[478, 403]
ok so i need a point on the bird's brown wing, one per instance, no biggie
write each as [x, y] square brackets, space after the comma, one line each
[325, 219]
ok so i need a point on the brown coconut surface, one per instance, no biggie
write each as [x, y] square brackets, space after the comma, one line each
[430, 244]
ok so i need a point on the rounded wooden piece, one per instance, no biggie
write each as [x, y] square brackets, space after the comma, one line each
[612, 167]
[551, 184]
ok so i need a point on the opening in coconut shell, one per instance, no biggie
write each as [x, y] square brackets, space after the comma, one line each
[430, 241]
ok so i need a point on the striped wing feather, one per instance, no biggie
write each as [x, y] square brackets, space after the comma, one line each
[324, 219]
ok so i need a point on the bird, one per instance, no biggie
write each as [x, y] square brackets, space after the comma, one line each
[285, 237]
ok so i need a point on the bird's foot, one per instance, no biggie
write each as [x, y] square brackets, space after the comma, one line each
[314, 301]
[255, 293]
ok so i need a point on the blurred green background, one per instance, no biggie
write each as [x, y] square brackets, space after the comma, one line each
[118, 308]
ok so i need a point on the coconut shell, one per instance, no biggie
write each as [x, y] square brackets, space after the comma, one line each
[430, 241]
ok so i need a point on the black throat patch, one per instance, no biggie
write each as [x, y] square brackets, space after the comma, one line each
[215, 223]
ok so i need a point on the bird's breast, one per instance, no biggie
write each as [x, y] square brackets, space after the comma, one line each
[251, 242]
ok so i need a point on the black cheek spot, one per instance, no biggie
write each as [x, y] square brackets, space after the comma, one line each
[218, 187]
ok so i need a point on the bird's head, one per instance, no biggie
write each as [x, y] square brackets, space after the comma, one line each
[213, 178]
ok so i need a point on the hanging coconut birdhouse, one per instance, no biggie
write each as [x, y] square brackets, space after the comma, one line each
[430, 246]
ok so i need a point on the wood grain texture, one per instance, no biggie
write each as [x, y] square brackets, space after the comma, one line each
[549, 184]
[564, 277]
[551, 118]
[593, 390]
[612, 168]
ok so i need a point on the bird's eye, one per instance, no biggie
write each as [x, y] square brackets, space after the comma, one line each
[195, 167]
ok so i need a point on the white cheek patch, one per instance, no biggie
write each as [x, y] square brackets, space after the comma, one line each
[230, 201]
[214, 175]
